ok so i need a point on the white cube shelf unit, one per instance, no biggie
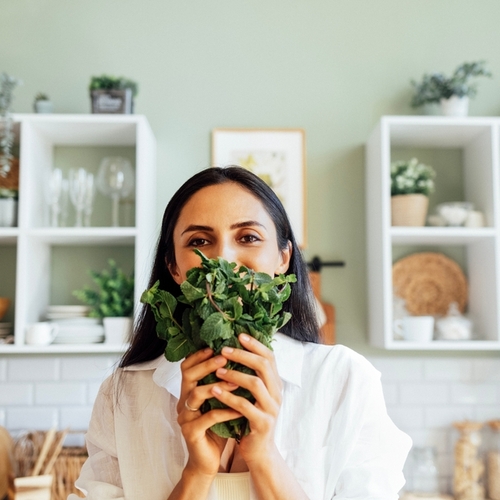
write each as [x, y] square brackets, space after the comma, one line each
[479, 142]
[38, 137]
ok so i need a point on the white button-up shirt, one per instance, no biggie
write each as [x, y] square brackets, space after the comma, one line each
[333, 429]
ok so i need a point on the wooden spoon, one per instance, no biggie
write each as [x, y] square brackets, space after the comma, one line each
[57, 449]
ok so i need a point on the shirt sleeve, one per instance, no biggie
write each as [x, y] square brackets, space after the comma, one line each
[374, 467]
[100, 475]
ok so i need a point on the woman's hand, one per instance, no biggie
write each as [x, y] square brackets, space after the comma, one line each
[204, 447]
[265, 386]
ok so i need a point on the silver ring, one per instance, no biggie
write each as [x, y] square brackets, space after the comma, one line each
[190, 408]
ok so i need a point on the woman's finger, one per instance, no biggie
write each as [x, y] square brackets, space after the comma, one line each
[199, 395]
[195, 429]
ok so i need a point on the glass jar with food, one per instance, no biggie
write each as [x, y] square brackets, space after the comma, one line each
[469, 468]
[493, 461]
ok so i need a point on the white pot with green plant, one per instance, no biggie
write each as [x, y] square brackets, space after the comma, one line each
[411, 184]
[113, 302]
[42, 103]
[111, 94]
[8, 207]
[451, 93]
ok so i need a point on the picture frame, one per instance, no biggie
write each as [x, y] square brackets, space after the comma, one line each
[278, 157]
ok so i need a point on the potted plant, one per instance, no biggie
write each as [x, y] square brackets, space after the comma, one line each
[111, 94]
[113, 302]
[8, 207]
[411, 184]
[42, 103]
[452, 93]
[7, 86]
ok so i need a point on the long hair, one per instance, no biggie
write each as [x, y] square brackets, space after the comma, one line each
[146, 345]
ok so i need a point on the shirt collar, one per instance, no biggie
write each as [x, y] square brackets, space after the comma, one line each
[289, 356]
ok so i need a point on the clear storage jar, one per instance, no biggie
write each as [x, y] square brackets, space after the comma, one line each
[493, 461]
[424, 472]
[469, 468]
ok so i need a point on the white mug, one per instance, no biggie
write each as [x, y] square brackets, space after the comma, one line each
[415, 328]
[42, 333]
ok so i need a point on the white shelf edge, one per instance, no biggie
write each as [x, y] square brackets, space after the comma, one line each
[443, 345]
[62, 349]
[435, 235]
[85, 235]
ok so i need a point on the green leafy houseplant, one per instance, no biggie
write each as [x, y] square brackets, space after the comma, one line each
[105, 82]
[411, 177]
[115, 294]
[7, 86]
[436, 86]
[219, 302]
[41, 97]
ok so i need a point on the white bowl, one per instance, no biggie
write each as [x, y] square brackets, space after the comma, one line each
[454, 213]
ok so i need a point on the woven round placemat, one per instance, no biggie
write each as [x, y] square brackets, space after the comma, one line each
[429, 282]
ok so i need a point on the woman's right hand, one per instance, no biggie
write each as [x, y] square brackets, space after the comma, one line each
[205, 447]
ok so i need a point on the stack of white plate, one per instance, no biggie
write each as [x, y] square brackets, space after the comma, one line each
[79, 331]
[6, 336]
[63, 312]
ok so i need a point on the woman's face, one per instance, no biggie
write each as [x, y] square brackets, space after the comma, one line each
[226, 220]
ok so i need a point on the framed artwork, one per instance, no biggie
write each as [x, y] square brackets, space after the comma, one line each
[277, 156]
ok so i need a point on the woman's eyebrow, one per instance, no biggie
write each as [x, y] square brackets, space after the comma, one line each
[194, 227]
[247, 223]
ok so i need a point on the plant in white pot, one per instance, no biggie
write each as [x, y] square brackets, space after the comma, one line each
[111, 94]
[411, 184]
[113, 302]
[451, 93]
[42, 103]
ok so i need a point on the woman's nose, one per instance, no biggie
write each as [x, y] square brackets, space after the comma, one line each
[228, 252]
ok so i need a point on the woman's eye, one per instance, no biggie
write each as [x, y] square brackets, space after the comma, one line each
[197, 242]
[249, 238]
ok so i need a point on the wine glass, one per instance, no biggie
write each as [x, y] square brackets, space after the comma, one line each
[80, 181]
[115, 179]
[89, 199]
[53, 195]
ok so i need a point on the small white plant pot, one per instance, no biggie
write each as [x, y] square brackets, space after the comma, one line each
[455, 106]
[8, 212]
[44, 107]
[117, 331]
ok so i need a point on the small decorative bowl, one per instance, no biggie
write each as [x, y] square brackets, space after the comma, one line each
[4, 305]
[455, 213]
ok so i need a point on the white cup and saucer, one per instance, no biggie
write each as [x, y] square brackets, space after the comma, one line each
[41, 333]
[415, 328]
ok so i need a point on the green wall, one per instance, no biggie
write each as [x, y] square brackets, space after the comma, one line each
[330, 67]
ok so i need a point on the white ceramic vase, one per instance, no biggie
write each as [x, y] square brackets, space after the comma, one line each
[455, 106]
[8, 212]
[44, 107]
[117, 331]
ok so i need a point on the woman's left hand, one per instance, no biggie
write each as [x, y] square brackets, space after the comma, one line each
[266, 387]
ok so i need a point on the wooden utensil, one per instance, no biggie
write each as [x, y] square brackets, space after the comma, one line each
[57, 449]
[47, 443]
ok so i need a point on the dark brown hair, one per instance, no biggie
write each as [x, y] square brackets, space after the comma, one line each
[303, 326]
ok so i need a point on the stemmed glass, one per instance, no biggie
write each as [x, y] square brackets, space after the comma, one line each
[53, 194]
[116, 180]
[81, 187]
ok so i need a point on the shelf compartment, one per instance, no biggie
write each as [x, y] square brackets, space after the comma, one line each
[442, 345]
[8, 235]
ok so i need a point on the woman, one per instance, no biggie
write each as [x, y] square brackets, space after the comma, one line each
[319, 427]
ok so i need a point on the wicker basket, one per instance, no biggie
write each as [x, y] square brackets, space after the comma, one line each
[409, 209]
[66, 472]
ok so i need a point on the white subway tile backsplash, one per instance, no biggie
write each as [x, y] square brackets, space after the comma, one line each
[12, 393]
[424, 393]
[407, 418]
[75, 418]
[438, 417]
[398, 369]
[38, 418]
[473, 394]
[390, 393]
[86, 368]
[29, 369]
[486, 413]
[435, 438]
[453, 370]
[92, 390]
[3, 370]
[486, 370]
[62, 393]
[2, 418]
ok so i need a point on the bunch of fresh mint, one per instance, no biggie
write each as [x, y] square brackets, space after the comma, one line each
[219, 302]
